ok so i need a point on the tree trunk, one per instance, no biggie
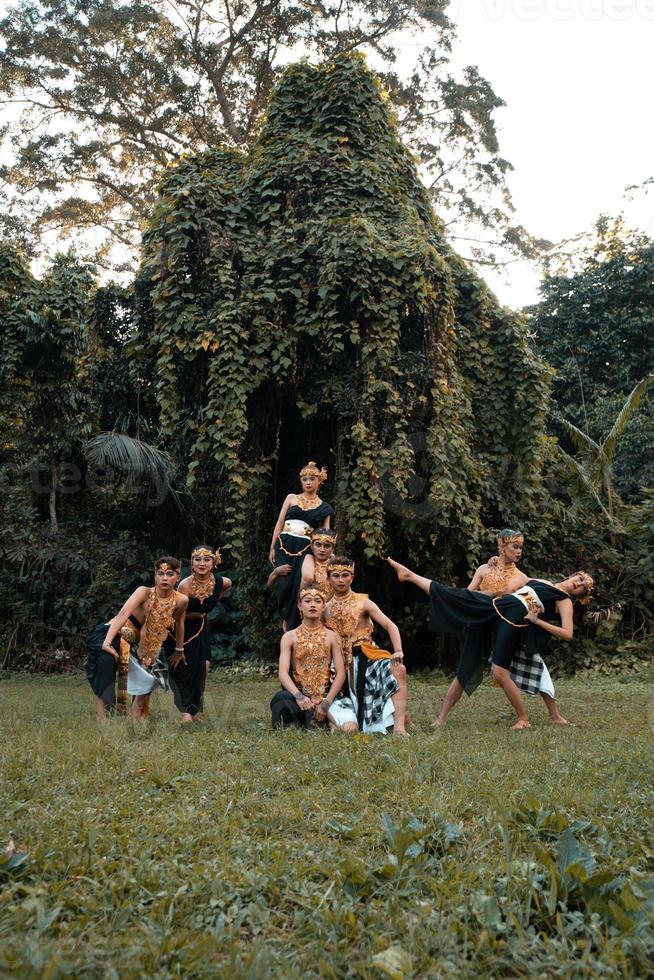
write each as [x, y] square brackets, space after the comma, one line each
[52, 502]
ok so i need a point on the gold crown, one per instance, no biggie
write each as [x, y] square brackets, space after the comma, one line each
[207, 553]
[587, 596]
[511, 539]
[320, 534]
[312, 591]
[335, 566]
[312, 470]
[165, 567]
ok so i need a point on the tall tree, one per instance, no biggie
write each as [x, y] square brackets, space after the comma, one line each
[302, 298]
[111, 93]
[595, 325]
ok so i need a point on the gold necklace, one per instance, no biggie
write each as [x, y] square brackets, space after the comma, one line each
[308, 503]
[311, 661]
[497, 579]
[158, 621]
[202, 590]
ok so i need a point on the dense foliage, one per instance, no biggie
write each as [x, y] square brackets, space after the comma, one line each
[595, 321]
[109, 93]
[296, 301]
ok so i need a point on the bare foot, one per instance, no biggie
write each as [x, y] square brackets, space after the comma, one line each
[401, 571]
[198, 719]
[400, 732]
[521, 724]
[560, 721]
[186, 718]
[438, 723]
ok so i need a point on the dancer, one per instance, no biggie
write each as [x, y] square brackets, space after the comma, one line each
[498, 576]
[300, 513]
[307, 657]
[315, 566]
[189, 668]
[501, 574]
[536, 602]
[151, 613]
[377, 680]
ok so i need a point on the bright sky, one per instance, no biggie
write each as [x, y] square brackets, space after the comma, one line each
[577, 77]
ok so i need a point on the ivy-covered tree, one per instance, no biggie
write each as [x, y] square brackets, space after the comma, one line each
[595, 325]
[110, 93]
[303, 302]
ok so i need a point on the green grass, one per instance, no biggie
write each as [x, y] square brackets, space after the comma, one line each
[230, 850]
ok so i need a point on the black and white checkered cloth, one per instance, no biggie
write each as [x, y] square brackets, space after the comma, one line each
[527, 672]
[380, 686]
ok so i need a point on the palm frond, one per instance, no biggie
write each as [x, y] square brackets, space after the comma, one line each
[134, 458]
[625, 415]
[584, 479]
[583, 442]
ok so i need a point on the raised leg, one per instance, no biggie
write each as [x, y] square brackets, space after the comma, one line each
[405, 574]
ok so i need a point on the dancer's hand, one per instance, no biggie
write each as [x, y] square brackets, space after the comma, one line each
[306, 704]
[271, 555]
[532, 617]
[398, 657]
[176, 660]
[107, 647]
[321, 711]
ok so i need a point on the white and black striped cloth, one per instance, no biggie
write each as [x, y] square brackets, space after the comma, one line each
[380, 686]
[526, 672]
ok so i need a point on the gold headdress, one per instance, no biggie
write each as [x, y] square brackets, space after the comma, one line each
[587, 595]
[312, 591]
[324, 534]
[312, 470]
[337, 566]
[202, 552]
[507, 536]
[164, 567]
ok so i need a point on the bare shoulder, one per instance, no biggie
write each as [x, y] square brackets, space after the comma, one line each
[185, 585]
[181, 602]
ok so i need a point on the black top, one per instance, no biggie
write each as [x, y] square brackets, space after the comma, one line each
[313, 517]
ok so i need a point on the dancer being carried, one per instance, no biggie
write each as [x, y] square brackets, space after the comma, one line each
[501, 576]
[377, 680]
[537, 601]
[143, 624]
[312, 673]
[300, 513]
[189, 668]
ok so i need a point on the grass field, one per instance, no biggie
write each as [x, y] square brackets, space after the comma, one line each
[229, 850]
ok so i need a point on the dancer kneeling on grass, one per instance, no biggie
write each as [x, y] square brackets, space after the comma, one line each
[144, 623]
[377, 680]
[453, 609]
[308, 656]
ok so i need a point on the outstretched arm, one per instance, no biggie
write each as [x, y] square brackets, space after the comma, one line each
[136, 599]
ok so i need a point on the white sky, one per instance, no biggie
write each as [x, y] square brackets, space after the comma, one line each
[577, 77]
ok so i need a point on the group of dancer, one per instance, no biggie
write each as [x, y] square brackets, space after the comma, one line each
[332, 672]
